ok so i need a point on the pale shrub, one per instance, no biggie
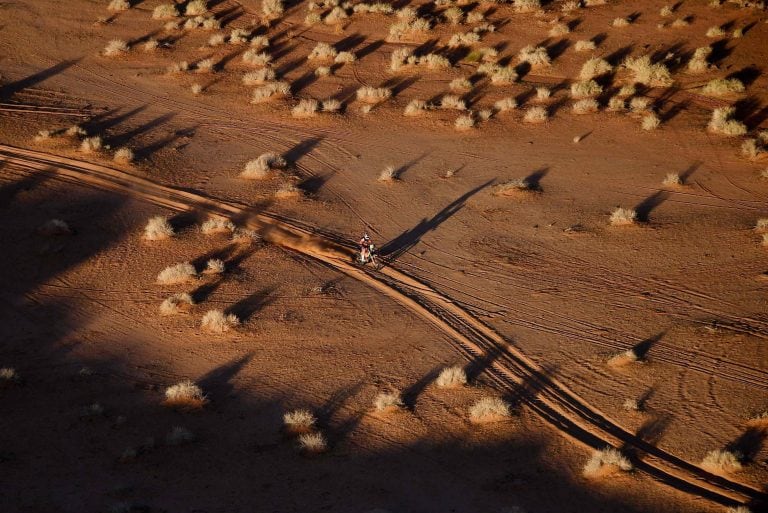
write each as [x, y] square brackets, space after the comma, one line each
[270, 91]
[259, 77]
[715, 32]
[434, 61]
[214, 266]
[543, 94]
[254, 57]
[536, 115]
[118, 5]
[150, 45]
[585, 89]
[196, 89]
[375, 8]
[722, 461]
[463, 39]
[368, 94]
[388, 401]
[475, 17]
[389, 174]
[721, 122]
[123, 155]
[594, 67]
[585, 106]
[680, 22]
[177, 67]
[585, 46]
[299, 421]
[331, 105]
[272, 8]
[185, 395]
[239, 36]
[344, 58]
[288, 191]
[313, 443]
[666, 11]
[504, 75]
[570, 6]
[639, 104]
[204, 66]
[91, 144]
[650, 122]
[451, 101]
[410, 29]
[536, 56]
[179, 436]
[196, 8]
[512, 187]
[607, 460]
[176, 274]
[505, 104]
[158, 228]
[464, 122]
[451, 377]
[527, 5]
[176, 304]
[752, 149]
[216, 321]
[260, 42]
[401, 57]
[322, 51]
[164, 11]
[217, 225]
[723, 86]
[337, 16]
[738, 509]
[672, 180]
[115, 47]
[620, 22]
[699, 63]
[625, 357]
[460, 84]
[632, 405]
[623, 217]
[627, 90]
[306, 108]
[9, 375]
[489, 409]
[647, 73]
[262, 166]
[454, 15]
[416, 108]
[559, 29]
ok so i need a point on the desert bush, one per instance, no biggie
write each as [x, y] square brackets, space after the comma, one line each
[164, 11]
[453, 102]
[388, 174]
[216, 225]
[594, 67]
[9, 376]
[401, 57]
[738, 509]
[721, 122]
[607, 460]
[331, 105]
[489, 409]
[715, 32]
[254, 57]
[176, 304]
[752, 149]
[723, 86]
[463, 39]
[305, 108]
[570, 6]
[91, 144]
[585, 89]
[176, 274]
[616, 104]
[185, 395]
[648, 73]
[666, 11]
[373, 95]
[527, 5]
[158, 228]
[620, 22]
[299, 421]
[623, 217]
[406, 13]
[261, 167]
[322, 51]
[259, 77]
[216, 321]
[409, 29]
[272, 9]
[475, 17]
[337, 16]
[179, 436]
[150, 45]
[416, 108]
[505, 104]
[627, 90]
[196, 89]
[118, 5]
[123, 156]
[585, 46]
[115, 47]
[639, 104]
[54, 227]
[536, 56]
[672, 180]
[454, 15]
[44, 135]
[344, 58]
[722, 461]
[543, 93]
[699, 63]
[270, 91]
[388, 401]
[177, 67]
[313, 443]
[434, 61]
[680, 22]
[650, 122]
[460, 84]
[585, 106]
[512, 187]
[204, 66]
[374, 8]
[504, 75]
[559, 29]
[536, 114]
[464, 122]
[239, 36]
[214, 266]
[632, 405]
[288, 191]
[451, 377]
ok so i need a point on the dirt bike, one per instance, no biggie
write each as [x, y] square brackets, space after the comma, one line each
[369, 256]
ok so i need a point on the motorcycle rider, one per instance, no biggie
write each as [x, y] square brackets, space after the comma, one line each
[365, 247]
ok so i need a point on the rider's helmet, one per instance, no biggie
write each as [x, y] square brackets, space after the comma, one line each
[366, 237]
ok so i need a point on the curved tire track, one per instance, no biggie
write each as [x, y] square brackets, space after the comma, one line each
[511, 370]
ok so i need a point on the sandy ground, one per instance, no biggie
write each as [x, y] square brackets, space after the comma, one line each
[532, 293]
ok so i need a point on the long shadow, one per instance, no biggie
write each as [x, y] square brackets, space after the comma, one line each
[747, 75]
[219, 253]
[8, 90]
[246, 307]
[349, 42]
[409, 238]
[331, 407]
[685, 175]
[123, 138]
[313, 184]
[750, 442]
[411, 394]
[147, 151]
[9, 191]
[649, 204]
[369, 49]
[641, 349]
[409, 165]
[479, 364]
[617, 56]
[534, 179]
[294, 154]
[399, 85]
[99, 124]
[218, 382]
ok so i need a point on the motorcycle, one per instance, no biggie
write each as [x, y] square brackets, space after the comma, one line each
[368, 255]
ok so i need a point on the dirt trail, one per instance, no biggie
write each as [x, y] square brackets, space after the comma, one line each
[510, 369]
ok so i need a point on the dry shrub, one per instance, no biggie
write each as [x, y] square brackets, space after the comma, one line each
[306, 108]
[196, 89]
[164, 12]
[179, 436]
[322, 51]
[177, 273]
[115, 47]
[451, 377]
[416, 108]
[331, 105]
[454, 15]
[505, 104]
[621, 22]
[118, 5]
[91, 144]
[375, 8]
[323, 71]
[680, 22]
[214, 266]
[158, 228]
[460, 84]
[373, 95]
[463, 39]
[504, 75]
[261, 168]
[272, 9]
[512, 187]
[559, 29]
[451, 101]
[345, 58]
[299, 421]
[722, 461]
[204, 66]
[752, 149]
[489, 409]
[715, 32]
[543, 94]
[216, 225]
[313, 443]
[617, 105]
[650, 122]
[647, 73]
[259, 77]
[388, 174]
[123, 156]
[185, 395]
[723, 86]
[625, 357]
[527, 5]
[9, 376]
[337, 16]
[672, 180]
[388, 402]
[239, 36]
[177, 67]
[465, 122]
[761, 225]
[54, 227]
[627, 90]
[699, 62]
[176, 304]
[738, 509]
[639, 104]
[288, 191]
[409, 29]
[434, 61]
[585, 106]
[632, 405]
[623, 217]
[585, 46]
[585, 89]
[594, 67]
[536, 114]
[270, 91]
[721, 122]
[536, 56]
[254, 57]
[666, 11]
[216, 321]
[607, 461]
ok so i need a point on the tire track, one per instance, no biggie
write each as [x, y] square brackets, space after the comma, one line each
[512, 371]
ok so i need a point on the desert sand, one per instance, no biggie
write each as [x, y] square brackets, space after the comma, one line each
[602, 360]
